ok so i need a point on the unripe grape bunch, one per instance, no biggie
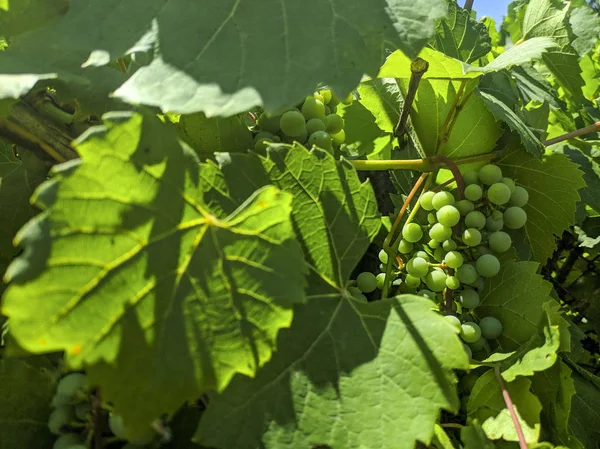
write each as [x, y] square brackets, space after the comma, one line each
[448, 255]
[313, 122]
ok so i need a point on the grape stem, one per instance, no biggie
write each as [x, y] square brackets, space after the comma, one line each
[455, 171]
[441, 186]
[429, 164]
[98, 423]
[417, 69]
[579, 132]
[122, 65]
[511, 408]
[468, 5]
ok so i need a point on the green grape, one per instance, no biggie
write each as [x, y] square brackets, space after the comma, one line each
[320, 139]
[473, 192]
[469, 298]
[433, 244]
[366, 282]
[292, 123]
[314, 125]
[470, 177]
[67, 441]
[334, 101]
[467, 274]
[117, 426]
[61, 399]
[349, 99]
[436, 280]
[417, 267]
[380, 280]
[490, 174]
[82, 410]
[514, 217]
[262, 136]
[383, 256]
[470, 332]
[499, 241]
[426, 200]
[439, 232]
[312, 108]
[441, 199]
[357, 294]
[262, 145]
[71, 384]
[59, 418]
[477, 345]
[498, 193]
[412, 281]
[452, 282]
[468, 351]
[334, 123]
[464, 207]
[471, 237]
[449, 245]
[431, 218]
[453, 321]
[339, 138]
[382, 267]
[509, 183]
[468, 381]
[490, 327]
[270, 124]
[326, 95]
[319, 97]
[412, 232]
[493, 225]
[475, 220]
[426, 294]
[439, 254]
[448, 216]
[478, 284]
[488, 265]
[481, 250]
[405, 247]
[422, 255]
[454, 259]
[519, 197]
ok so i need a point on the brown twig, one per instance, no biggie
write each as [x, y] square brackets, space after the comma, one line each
[122, 65]
[511, 409]
[417, 69]
[468, 5]
[97, 419]
[578, 132]
[455, 172]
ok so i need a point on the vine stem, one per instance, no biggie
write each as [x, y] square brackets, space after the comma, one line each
[24, 134]
[428, 164]
[511, 408]
[579, 132]
[417, 69]
[122, 65]
[468, 5]
[455, 171]
[97, 405]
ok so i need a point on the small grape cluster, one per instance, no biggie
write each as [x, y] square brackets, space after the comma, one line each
[314, 122]
[71, 418]
[454, 247]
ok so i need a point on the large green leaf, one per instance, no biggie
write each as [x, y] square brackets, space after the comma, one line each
[580, 153]
[486, 404]
[460, 36]
[25, 394]
[18, 16]
[586, 26]
[584, 420]
[553, 185]
[237, 54]
[345, 375]
[128, 271]
[397, 65]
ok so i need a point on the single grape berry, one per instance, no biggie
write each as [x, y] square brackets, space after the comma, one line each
[499, 241]
[490, 327]
[449, 245]
[473, 192]
[334, 123]
[314, 125]
[326, 95]
[470, 332]
[439, 232]
[349, 99]
[464, 207]
[417, 267]
[116, 426]
[313, 108]
[498, 193]
[471, 237]
[433, 244]
[470, 177]
[490, 174]
[366, 282]
[60, 418]
[383, 256]
[481, 250]
[339, 138]
[422, 254]
[71, 384]
[509, 183]
[477, 345]
[439, 254]
[452, 282]
[431, 218]
[479, 283]
[67, 441]
[412, 232]
[519, 197]
[453, 321]
[292, 123]
[488, 265]
[262, 144]
[514, 217]
[426, 200]
[475, 220]
[405, 247]
[441, 199]
[467, 274]
[380, 280]
[454, 259]
[436, 280]
[448, 216]
[270, 124]
[468, 351]
[469, 298]
[492, 224]
[412, 281]
[320, 139]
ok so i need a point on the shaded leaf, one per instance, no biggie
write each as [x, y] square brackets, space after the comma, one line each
[18, 16]
[533, 86]
[474, 437]
[585, 23]
[584, 420]
[591, 174]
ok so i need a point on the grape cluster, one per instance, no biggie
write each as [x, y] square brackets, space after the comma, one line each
[447, 254]
[314, 122]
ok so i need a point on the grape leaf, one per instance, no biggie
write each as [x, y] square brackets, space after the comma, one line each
[397, 65]
[145, 278]
[515, 297]
[501, 86]
[342, 366]
[486, 404]
[474, 437]
[18, 16]
[533, 86]
[586, 26]
[460, 36]
[25, 393]
[502, 112]
[591, 172]
[584, 420]
[553, 185]
[441, 440]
